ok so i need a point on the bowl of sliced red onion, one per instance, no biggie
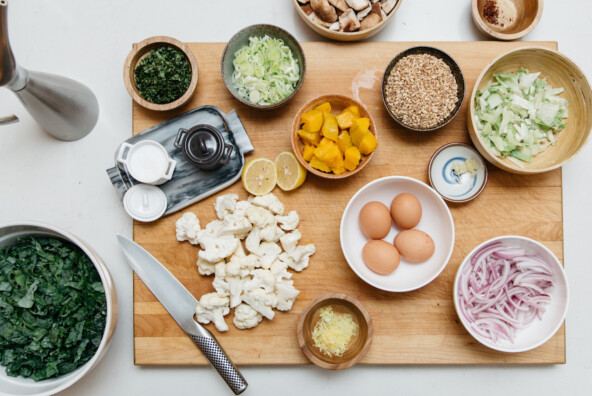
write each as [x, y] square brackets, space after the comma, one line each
[511, 293]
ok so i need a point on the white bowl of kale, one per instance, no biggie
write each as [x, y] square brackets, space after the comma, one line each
[58, 309]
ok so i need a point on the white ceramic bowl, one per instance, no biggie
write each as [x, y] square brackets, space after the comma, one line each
[539, 331]
[454, 188]
[26, 386]
[436, 221]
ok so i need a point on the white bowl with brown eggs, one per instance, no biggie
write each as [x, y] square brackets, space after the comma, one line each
[436, 221]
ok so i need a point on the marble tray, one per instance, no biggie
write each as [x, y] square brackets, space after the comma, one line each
[190, 184]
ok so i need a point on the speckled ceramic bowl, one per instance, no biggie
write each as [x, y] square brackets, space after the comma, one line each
[454, 68]
[240, 40]
[457, 188]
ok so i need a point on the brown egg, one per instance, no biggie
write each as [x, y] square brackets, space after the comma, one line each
[375, 220]
[381, 257]
[414, 245]
[406, 210]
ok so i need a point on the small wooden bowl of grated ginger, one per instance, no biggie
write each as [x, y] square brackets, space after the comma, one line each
[335, 331]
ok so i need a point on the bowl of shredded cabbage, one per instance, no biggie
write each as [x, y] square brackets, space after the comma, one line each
[263, 66]
[530, 111]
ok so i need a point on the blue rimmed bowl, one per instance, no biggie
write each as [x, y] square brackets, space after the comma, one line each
[455, 188]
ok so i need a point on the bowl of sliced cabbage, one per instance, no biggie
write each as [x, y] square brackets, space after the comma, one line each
[263, 66]
[530, 111]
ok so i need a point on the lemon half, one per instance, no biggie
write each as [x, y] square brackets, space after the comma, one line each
[259, 176]
[290, 174]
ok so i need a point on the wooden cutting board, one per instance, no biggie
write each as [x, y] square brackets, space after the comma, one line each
[420, 327]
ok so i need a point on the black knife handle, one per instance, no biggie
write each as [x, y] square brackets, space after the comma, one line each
[221, 362]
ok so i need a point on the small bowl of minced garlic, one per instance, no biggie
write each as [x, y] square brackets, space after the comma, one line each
[457, 172]
[335, 331]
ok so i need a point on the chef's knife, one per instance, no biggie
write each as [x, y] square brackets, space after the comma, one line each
[181, 305]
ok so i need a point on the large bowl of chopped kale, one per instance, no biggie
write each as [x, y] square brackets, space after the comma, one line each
[58, 308]
[160, 73]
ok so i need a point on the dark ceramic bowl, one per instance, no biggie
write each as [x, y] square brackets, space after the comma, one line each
[241, 39]
[454, 68]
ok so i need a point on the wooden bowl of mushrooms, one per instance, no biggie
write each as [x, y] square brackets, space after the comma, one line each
[346, 20]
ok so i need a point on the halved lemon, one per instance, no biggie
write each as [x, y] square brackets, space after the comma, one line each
[259, 176]
[290, 174]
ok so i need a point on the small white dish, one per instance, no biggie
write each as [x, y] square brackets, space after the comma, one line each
[453, 188]
[539, 331]
[147, 161]
[436, 221]
[145, 203]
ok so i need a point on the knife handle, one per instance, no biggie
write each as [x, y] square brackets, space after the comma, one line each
[218, 359]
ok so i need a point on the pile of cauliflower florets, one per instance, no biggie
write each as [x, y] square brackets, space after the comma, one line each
[255, 280]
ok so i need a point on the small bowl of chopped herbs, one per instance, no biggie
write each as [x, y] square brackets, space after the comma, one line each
[263, 66]
[58, 309]
[160, 73]
[423, 89]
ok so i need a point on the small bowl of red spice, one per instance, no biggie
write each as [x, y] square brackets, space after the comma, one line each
[507, 19]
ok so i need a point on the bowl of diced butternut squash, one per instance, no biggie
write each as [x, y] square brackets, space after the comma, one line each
[334, 136]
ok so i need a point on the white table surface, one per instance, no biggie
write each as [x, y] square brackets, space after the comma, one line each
[65, 184]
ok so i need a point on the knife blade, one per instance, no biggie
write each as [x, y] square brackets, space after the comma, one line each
[181, 304]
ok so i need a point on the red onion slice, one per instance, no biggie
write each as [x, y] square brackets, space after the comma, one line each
[503, 289]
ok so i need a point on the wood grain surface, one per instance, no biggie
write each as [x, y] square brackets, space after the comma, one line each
[419, 327]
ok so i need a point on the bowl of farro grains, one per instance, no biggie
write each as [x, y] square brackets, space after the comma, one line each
[423, 88]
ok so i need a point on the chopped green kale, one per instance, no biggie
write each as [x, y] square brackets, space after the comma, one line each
[52, 308]
[163, 76]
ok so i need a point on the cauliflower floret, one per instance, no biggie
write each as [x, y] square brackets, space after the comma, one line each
[299, 257]
[213, 308]
[213, 229]
[225, 205]
[240, 251]
[261, 301]
[271, 233]
[186, 228]
[289, 222]
[235, 225]
[217, 248]
[269, 202]
[253, 241]
[290, 240]
[229, 283]
[268, 252]
[247, 263]
[205, 267]
[262, 278]
[246, 317]
[241, 208]
[286, 295]
[259, 217]
[279, 269]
